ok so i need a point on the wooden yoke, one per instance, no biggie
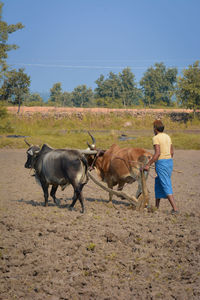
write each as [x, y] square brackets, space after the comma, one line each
[143, 199]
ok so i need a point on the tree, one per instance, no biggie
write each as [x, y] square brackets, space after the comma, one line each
[67, 99]
[117, 90]
[56, 94]
[15, 87]
[113, 86]
[5, 31]
[108, 102]
[82, 96]
[100, 90]
[189, 87]
[33, 100]
[158, 85]
[109, 87]
[130, 94]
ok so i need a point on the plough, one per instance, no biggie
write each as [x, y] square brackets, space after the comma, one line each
[139, 203]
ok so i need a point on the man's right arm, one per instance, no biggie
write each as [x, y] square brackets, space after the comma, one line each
[154, 157]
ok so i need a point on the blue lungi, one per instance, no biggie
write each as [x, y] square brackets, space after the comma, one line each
[163, 185]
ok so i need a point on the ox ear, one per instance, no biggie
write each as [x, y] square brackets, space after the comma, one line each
[30, 152]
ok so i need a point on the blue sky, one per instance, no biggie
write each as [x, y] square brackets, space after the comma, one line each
[75, 41]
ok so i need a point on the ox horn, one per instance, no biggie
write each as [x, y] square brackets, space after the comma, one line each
[27, 142]
[93, 146]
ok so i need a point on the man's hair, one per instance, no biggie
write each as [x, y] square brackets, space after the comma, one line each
[157, 124]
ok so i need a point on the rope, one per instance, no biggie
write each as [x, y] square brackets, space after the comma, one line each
[152, 167]
[174, 170]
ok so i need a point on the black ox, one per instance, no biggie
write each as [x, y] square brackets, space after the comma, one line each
[58, 167]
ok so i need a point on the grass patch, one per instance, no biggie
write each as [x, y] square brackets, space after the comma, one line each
[91, 247]
[70, 131]
[186, 141]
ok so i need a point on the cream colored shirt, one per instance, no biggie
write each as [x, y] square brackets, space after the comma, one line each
[165, 142]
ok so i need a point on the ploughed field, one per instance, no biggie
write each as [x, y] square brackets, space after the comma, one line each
[110, 251]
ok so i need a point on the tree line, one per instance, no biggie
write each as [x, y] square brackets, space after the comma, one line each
[159, 86]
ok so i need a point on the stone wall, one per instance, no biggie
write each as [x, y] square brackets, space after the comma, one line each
[178, 115]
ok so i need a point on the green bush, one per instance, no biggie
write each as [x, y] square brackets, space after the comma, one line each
[6, 128]
[3, 112]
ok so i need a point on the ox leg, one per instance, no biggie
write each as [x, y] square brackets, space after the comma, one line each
[110, 194]
[110, 186]
[45, 191]
[139, 190]
[120, 188]
[75, 197]
[80, 197]
[53, 194]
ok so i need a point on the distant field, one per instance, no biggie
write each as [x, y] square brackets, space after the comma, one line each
[68, 127]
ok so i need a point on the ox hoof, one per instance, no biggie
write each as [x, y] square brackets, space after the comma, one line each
[71, 208]
[57, 202]
[138, 195]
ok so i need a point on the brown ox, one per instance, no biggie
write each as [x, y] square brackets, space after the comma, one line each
[118, 166]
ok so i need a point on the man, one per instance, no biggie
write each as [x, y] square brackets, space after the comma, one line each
[163, 164]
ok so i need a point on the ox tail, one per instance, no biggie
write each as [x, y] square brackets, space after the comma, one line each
[85, 175]
[84, 178]
[144, 160]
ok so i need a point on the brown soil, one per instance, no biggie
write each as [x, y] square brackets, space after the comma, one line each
[109, 252]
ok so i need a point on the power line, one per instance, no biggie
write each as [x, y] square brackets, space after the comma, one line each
[85, 66]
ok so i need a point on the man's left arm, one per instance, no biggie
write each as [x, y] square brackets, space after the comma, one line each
[172, 151]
